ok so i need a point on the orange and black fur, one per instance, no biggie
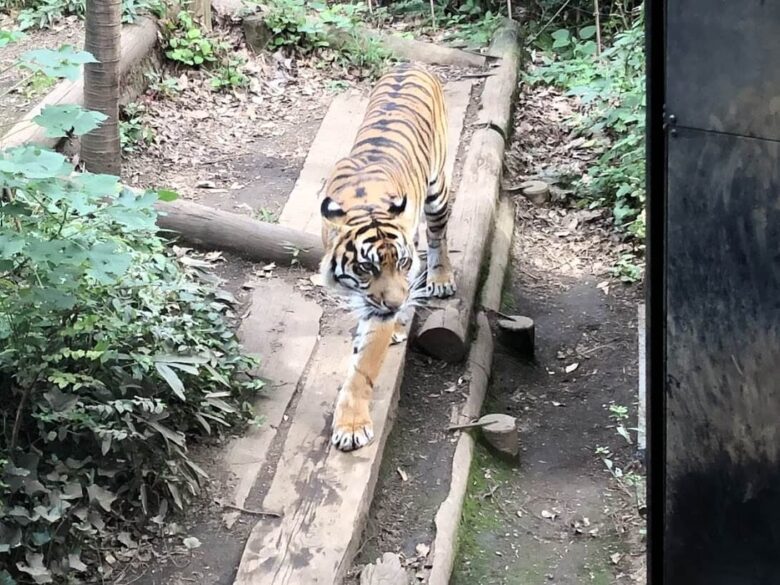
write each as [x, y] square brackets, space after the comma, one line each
[371, 208]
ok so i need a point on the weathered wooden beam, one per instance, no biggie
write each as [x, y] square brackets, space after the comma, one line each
[444, 332]
[448, 516]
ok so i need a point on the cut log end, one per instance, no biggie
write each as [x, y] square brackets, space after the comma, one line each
[501, 433]
[442, 342]
[517, 332]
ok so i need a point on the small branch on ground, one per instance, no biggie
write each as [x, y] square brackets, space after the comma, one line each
[248, 511]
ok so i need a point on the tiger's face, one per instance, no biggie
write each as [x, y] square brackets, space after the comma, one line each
[376, 267]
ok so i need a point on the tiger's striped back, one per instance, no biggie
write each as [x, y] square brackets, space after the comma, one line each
[400, 148]
[371, 209]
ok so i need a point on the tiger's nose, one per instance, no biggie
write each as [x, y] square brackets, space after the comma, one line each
[393, 302]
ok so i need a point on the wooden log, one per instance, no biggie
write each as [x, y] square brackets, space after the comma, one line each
[480, 359]
[201, 10]
[443, 333]
[242, 235]
[138, 40]
[412, 50]
[517, 332]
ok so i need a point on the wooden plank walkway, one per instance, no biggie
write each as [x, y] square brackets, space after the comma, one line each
[324, 494]
[282, 329]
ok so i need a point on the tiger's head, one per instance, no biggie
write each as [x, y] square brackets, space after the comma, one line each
[370, 259]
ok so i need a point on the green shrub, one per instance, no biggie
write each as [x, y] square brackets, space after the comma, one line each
[114, 356]
[133, 133]
[611, 88]
[187, 44]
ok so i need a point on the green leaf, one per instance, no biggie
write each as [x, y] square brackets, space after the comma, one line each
[64, 62]
[35, 568]
[172, 378]
[587, 32]
[5, 578]
[167, 195]
[60, 120]
[107, 263]
[169, 435]
[7, 37]
[101, 496]
[32, 162]
[97, 186]
[11, 243]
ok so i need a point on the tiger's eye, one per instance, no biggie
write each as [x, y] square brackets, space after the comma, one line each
[365, 267]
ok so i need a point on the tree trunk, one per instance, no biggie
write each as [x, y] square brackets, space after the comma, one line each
[101, 149]
[201, 11]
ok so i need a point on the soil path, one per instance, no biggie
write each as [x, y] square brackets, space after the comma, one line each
[556, 518]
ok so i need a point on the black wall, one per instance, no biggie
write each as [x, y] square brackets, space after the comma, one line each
[720, 292]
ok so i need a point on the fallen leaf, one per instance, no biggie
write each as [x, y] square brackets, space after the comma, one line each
[403, 475]
[615, 558]
[422, 549]
[571, 367]
[557, 403]
[549, 515]
[191, 542]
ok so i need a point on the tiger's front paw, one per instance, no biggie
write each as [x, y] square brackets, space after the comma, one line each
[352, 427]
[441, 284]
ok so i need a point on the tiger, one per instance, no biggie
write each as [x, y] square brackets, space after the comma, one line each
[371, 207]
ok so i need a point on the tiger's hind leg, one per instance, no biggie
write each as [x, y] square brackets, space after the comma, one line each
[352, 425]
[441, 280]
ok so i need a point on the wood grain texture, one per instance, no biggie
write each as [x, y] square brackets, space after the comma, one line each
[444, 332]
[281, 330]
[323, 493]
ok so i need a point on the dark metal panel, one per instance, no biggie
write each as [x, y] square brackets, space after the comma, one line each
[723, 360]
[723, 65]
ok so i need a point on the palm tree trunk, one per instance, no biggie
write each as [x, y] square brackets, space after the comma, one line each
[101, 149]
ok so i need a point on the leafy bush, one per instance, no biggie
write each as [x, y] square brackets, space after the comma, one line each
[292, 26]
[612, 90]
[306, 27]
[113, 353]
[186, 43]
[133, 133]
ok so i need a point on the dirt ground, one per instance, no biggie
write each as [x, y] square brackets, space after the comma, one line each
[566, 514]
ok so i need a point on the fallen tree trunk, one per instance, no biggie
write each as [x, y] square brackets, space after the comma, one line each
[412, 50]
[443, 333]
[242, 235]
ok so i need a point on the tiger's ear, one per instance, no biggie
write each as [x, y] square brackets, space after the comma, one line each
[397, 205]
[331, 211]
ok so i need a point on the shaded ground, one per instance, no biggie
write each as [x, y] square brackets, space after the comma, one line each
[558, 517]
[567, 514]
